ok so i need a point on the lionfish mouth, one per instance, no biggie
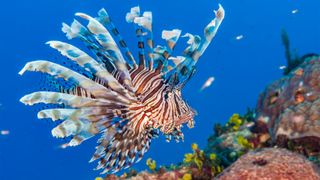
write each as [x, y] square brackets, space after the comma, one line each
[187, 118]
[104, 92]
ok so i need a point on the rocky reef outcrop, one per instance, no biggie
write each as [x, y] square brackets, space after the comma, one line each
[290, 108]
[273, 164]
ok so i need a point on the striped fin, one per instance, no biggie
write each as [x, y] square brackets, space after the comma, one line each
[142, 23]
[150, 43]
[134, 12]
[84, 60]
[78, 30]
[194, 42]
[185, 65]
[105, 19]
[104, 38]
[56, 70]
[73, 127]
[66, 99]
[72, 31]
[161, 55]
[171, 37]
[59, 114]
[122, 150]
[130, 18]
[196, 48]
[82, 123]
[92, 114]
[210, 32]
[177, 60]
[181, 64]
[139, 34]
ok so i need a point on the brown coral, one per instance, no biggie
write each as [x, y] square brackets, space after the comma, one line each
[291, 106]
[269, 164]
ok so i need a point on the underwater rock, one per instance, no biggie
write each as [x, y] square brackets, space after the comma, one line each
[145, 175]
[227, 146]
[290, 107]
[271, 163]
[233, 139]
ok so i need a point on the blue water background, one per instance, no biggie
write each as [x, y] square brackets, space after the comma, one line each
[242, 69]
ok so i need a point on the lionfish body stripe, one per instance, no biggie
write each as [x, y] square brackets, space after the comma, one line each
[113, 95]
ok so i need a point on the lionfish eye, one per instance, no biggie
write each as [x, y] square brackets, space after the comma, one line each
[166, 96]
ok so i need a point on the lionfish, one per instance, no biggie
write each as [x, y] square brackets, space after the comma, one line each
[124, 101]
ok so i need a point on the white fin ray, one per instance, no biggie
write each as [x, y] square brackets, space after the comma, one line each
[104, 37]
[171, 37]
[104, 19]
[59, 114]
[73, 127]
[93, 114]
[177, 60]
[84, 60]
[62, 98]
[57, 71]
[194, 42]
[82, 123]
[144, 21]
[210, 32]
[134, 12]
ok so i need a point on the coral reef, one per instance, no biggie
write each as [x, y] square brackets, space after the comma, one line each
[290, 108]
[271, 163]
[231, 141]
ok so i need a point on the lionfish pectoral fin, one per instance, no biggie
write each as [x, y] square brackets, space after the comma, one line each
[89, 64]
[106, 41]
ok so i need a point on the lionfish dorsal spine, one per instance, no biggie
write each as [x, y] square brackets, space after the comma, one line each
[106, 20]
[143, 29]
